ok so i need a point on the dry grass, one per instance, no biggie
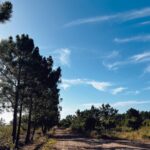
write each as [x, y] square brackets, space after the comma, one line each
[49, 144]
[141, 134]
[5, 136]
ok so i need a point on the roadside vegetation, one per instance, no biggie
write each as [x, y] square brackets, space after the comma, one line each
[106, 122]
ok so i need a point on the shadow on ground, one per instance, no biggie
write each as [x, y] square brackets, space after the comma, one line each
[70, 141]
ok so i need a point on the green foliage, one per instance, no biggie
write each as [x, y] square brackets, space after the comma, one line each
[107, 117]
[78, 125]
[106, 122]
[5, 11]
[29, 85]
[66, 123]
[133, 119]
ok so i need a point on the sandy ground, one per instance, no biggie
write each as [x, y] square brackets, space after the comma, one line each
[67, 141]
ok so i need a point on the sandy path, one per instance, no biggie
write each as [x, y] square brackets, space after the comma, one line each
[67, 141]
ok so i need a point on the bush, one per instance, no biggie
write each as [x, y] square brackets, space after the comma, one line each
[5, 137]
[146, 122]
[77, 125]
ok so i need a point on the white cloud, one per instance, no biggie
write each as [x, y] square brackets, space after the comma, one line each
[88, 105]
[120, 17]
[101, 86]
[111, 60]
[65, 86]
[118, 104]
[136, 92]
[113, 55]
[145, 23]
[141, 57]
[63, 56]
[139, 38]
[129, 103]
[90, 20]
[112, 64]
[118, 90]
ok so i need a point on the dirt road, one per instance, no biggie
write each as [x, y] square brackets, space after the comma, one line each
[68, 141]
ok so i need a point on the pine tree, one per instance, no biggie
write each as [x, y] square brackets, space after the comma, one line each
[5, 11]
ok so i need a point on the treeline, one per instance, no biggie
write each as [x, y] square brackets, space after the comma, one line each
[105, 118]
[28, 86]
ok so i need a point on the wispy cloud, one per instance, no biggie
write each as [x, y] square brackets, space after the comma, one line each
[90, 20]
[118, 90]
[142, 57]
[139, 38]
[111, 60]
[114, 64]
[88, 105]
[101, 86]
[112, 55]
[136, 92]
[129, 103]
[98, 85]
[145, 23]
[62, 55]
[120, 17]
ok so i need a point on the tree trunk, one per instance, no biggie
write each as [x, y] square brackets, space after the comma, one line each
[27, 140]
[16, 108]
[33, 132]
[15, 117]
[19, 126]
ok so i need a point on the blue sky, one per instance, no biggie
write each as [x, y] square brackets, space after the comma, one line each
[102, 46]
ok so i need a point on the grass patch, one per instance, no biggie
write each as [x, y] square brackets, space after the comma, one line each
[5, 137]
[142, 134]
[49, 144]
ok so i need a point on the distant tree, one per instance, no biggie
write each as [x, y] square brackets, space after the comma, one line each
[66, 123]
[133, 118]
[107, 116]
[5, 11]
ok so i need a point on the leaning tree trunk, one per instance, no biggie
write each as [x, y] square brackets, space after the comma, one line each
[27, 139]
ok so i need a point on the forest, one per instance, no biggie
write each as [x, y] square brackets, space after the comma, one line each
[29, 88]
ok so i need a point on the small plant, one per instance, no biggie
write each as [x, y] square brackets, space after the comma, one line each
[49, 144]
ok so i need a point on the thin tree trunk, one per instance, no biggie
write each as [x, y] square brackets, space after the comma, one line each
[16, 108]
[19, 126]
[15, 117]
[27, 140]
[33, 132]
